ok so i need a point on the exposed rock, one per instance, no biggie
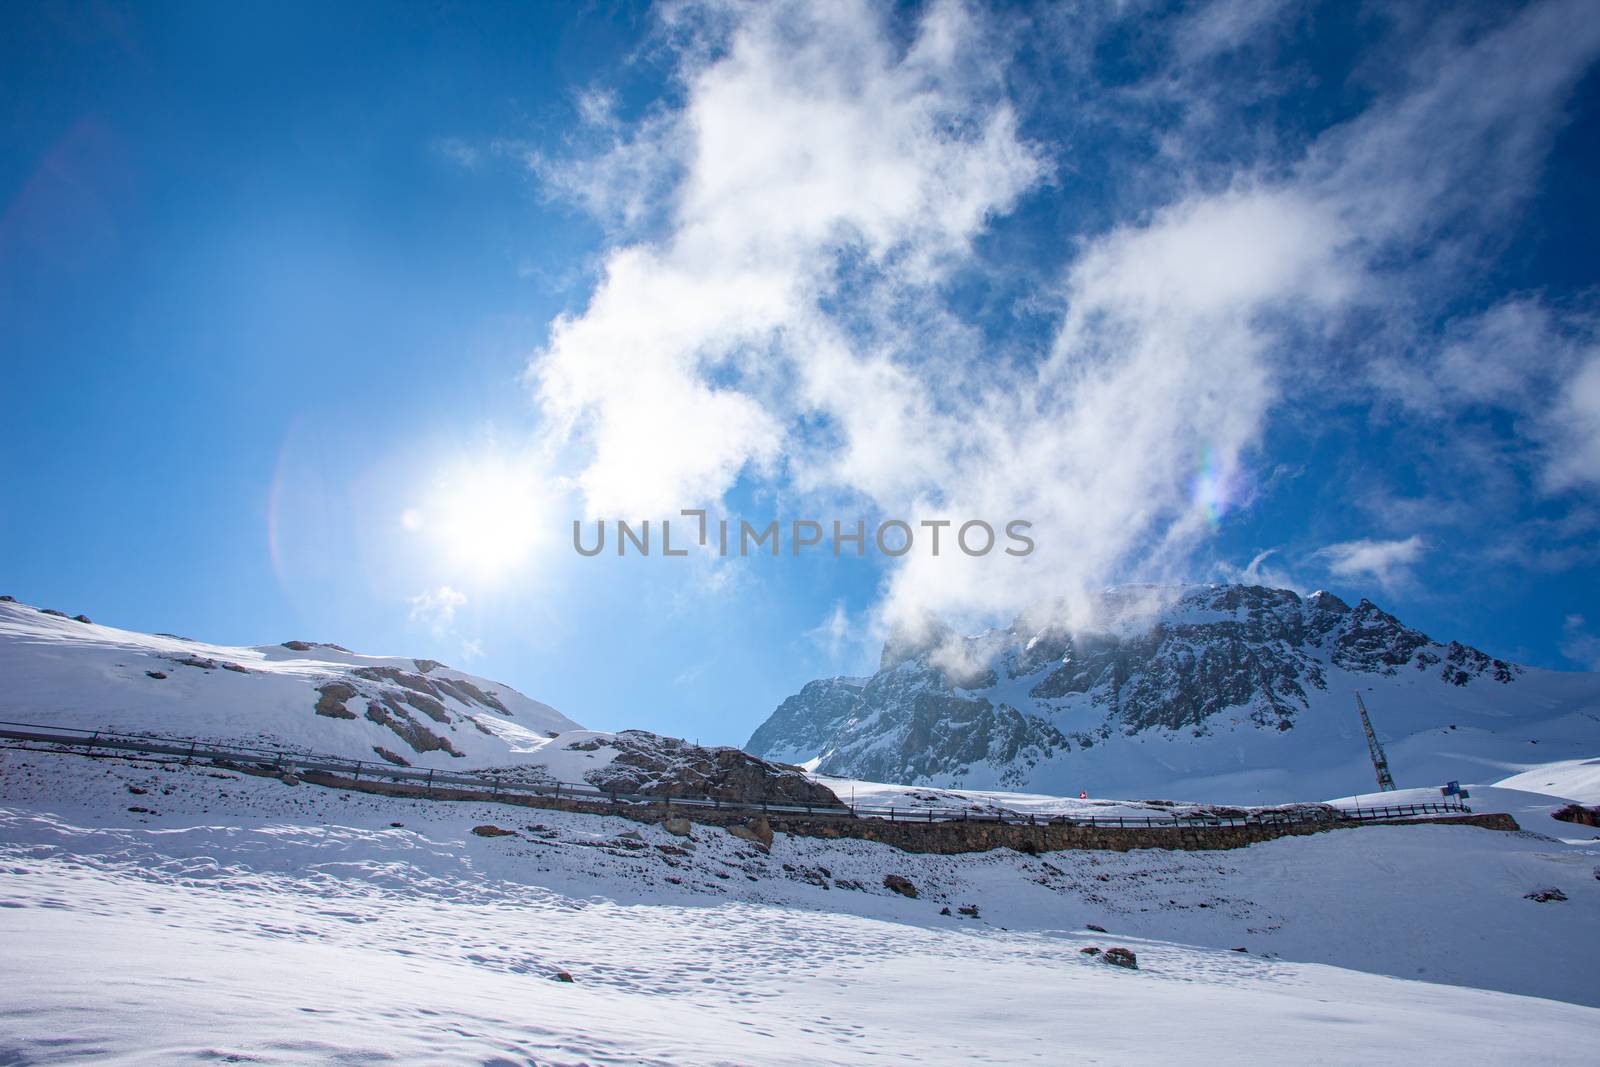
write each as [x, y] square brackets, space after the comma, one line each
[900, 884]
[1579, 814]
[81, 618]
[491, 830]
[653, 765]
[1120, 957]
[288, 779]
[1090, 951]
[468, 693]
[158, 675]
[1096, 928]
[299, 646]
[390, 757]
[674, 825]
[757, 831]
[969, 910]
[1541, 896]
[944, 910]
[413, 733]
[235, 668]
[331, 700]
[561, 976]
[53, 611]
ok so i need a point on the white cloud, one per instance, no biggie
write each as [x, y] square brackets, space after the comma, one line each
[437, 608]
[810, 136]
[819, 181]
[1386, 562]
[1574, 428]
[833, 633]
[1578, 645]
[1260, 571]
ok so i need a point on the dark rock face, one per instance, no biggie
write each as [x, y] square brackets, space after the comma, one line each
[807, 719]
[654, 765]
[1120, 957]
[935, 707]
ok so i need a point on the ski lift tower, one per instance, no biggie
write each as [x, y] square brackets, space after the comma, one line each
[1380, 762]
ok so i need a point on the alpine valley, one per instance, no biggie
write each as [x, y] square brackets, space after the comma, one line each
[1232, 693]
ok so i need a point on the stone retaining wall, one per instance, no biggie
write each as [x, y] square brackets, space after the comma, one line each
[935, 837]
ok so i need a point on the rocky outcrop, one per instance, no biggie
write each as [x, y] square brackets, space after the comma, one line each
[653, 765]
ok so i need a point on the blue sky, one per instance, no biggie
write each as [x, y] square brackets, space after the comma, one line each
[327, 322]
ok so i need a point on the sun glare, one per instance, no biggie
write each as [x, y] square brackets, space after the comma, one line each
[484, 518]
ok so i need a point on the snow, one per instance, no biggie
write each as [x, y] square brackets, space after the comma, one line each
[1577, 780]
[66, 673]
[242, 917]
[156, 912]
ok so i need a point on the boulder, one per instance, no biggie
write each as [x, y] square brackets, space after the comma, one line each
[491, 830]
[900, 884]
[757, 831]
[1120, 957]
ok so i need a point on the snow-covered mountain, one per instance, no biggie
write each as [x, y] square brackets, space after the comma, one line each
[321, 698]
[1229, 693]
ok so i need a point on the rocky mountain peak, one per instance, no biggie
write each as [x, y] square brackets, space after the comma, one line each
[1148, 665]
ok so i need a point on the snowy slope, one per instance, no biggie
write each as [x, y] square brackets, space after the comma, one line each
[214, 917]
[1231, 694]
[1577, 780]
[321, 698]
[317, 697]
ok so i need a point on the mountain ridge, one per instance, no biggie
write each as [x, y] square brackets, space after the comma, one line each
[1184, 687]
[321, 698]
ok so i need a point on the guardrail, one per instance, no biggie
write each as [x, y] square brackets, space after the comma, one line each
[497, 784]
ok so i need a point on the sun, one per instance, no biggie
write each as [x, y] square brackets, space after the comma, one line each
[485, 518]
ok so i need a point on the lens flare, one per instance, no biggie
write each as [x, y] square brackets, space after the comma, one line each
[1213, 491]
